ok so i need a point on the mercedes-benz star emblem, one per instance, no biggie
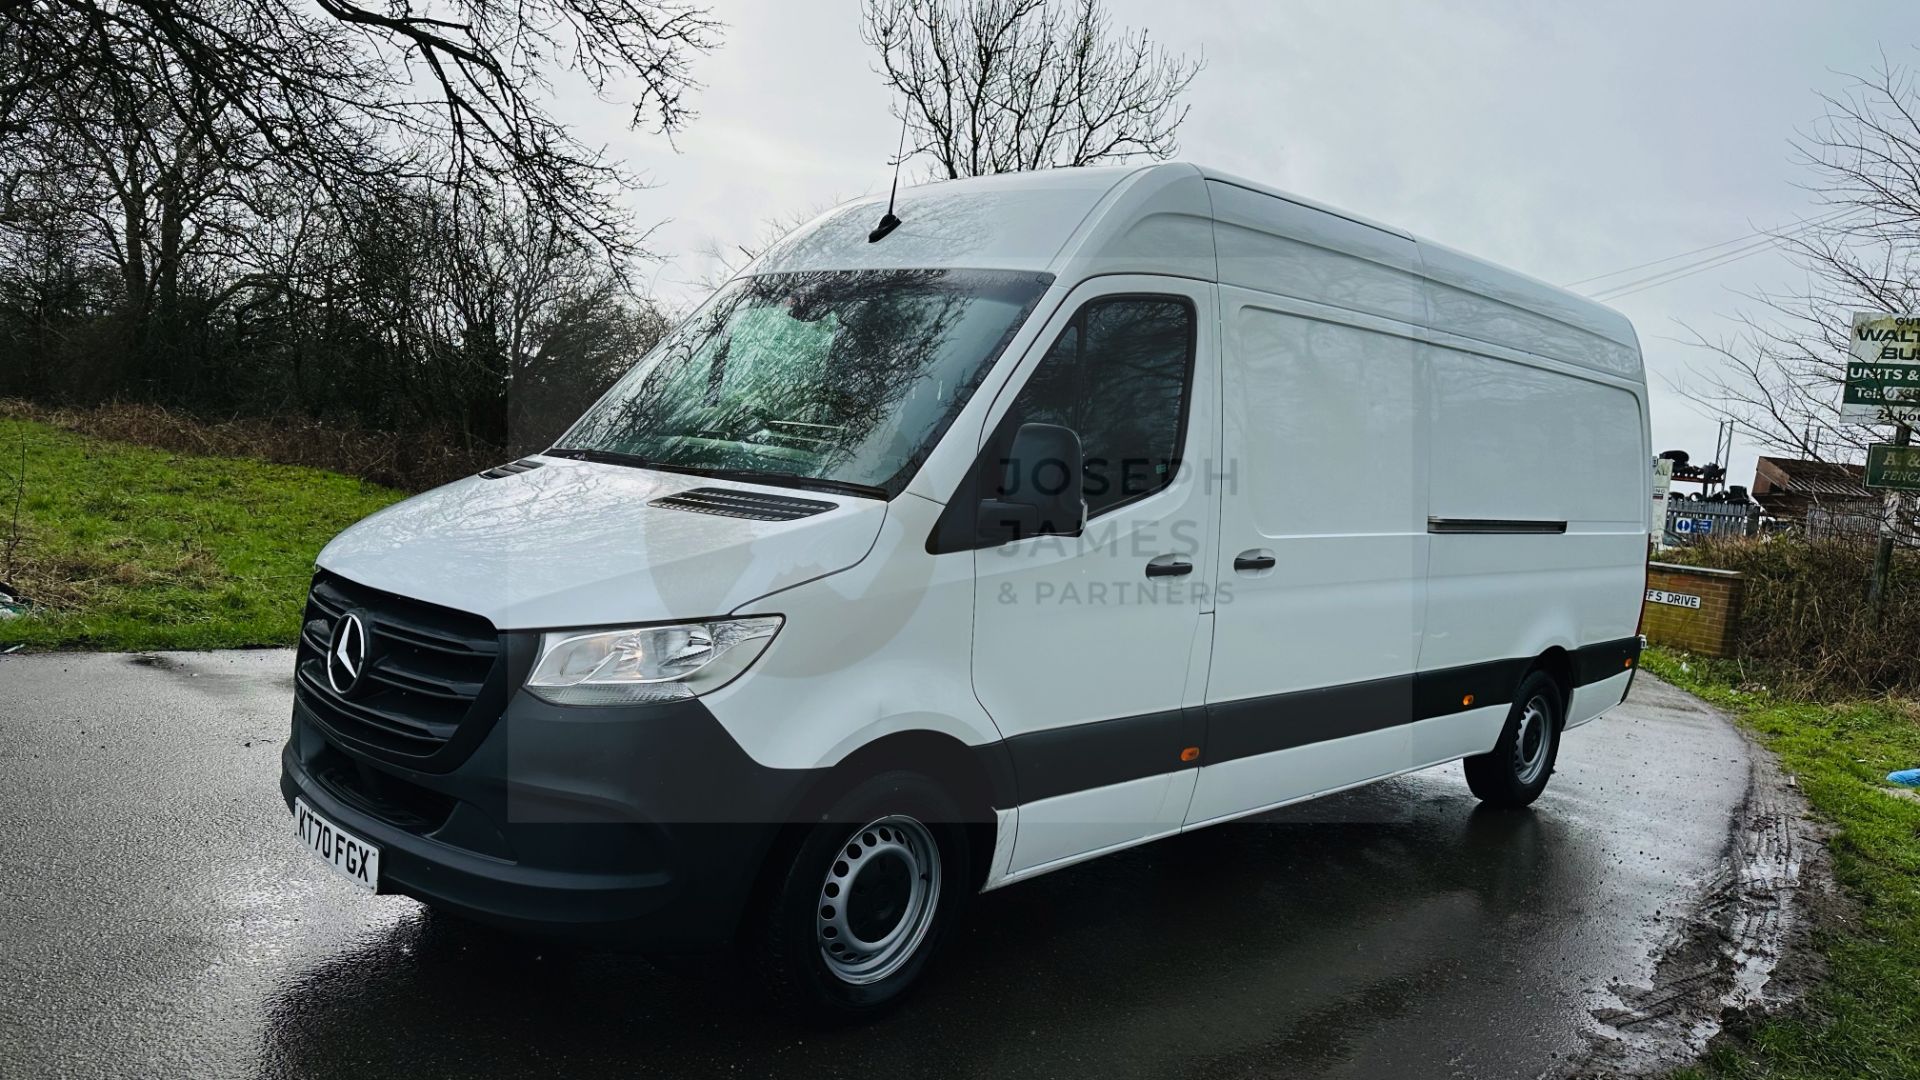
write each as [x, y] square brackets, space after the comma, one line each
[347, 654]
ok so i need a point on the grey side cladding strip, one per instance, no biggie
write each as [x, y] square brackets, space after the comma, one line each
[1595, 663]
[1081, 757]
[1262, 725]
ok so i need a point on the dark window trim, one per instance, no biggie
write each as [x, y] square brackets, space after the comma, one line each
[956, 529]
[1186, 386]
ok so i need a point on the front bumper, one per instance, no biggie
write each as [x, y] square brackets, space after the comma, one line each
[643, 825]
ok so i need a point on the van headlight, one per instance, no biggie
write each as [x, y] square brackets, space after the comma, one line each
[647, 663]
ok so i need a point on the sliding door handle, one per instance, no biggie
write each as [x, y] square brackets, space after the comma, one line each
[1169, 566]
[1253, 560]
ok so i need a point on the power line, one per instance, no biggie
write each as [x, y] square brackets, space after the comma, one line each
[1627, 288]
[1724, 243]
[1751, 243]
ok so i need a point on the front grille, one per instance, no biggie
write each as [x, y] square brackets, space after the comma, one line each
[426, 667]
[379, 795]
[734, 503]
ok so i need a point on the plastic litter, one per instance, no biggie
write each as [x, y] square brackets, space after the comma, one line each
[12, 604]
[1905, 777]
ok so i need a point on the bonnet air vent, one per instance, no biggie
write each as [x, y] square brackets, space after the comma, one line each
[734, 503]
[510, 468]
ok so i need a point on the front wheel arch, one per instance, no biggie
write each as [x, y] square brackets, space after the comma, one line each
[976, 778]
[783, 936]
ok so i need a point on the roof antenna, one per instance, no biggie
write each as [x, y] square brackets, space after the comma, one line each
[888, 222]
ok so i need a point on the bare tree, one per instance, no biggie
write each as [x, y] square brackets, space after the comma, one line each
[991, 86]
[340, 92]
[1780, 377]
[358, 213]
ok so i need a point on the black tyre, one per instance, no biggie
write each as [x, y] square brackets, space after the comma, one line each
[1515, 771]
[857, 904]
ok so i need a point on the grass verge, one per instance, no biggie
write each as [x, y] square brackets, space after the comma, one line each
[1863, 1020]
[126, 547]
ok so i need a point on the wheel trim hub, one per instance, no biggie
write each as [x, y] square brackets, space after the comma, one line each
[878, 899]
[1532, 740]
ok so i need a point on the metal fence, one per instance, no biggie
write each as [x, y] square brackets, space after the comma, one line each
[1689, 521]
[1859, 522]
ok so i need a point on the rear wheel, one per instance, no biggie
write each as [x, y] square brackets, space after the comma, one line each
[859, 902]
[1515, 771]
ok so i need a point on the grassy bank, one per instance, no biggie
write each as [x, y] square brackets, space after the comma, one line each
[127, 547]
[409, 462]
[1864, 1019]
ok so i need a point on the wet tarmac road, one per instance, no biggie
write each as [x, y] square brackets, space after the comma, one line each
[163, 921]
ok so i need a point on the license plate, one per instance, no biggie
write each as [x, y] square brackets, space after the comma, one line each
[352, 857]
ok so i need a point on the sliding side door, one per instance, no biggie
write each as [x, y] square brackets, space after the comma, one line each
[1323, 549]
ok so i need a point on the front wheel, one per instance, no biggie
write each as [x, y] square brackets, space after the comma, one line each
[1515, 771]
[860, 901]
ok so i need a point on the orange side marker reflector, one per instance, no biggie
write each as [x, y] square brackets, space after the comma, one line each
[1629, 661]
[1191, 753]
[1468, 700]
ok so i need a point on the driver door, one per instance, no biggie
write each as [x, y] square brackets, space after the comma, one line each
[1090, 652]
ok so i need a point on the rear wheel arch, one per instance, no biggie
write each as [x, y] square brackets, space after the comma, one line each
[1557, 664]
[1516, 770]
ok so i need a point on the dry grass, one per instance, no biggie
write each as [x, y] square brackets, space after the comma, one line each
[73, 581]
[406, 462]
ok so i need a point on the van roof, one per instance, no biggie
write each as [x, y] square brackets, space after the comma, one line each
[1194, 221]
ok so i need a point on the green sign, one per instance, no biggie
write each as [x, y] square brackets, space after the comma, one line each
[1883, 369]
[1893, 467]
[1882, 384]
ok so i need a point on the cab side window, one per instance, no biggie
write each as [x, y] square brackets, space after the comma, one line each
[1119, 375]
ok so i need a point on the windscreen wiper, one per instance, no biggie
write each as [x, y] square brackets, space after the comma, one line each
[745, 476]
[604, 457]
[781, 479]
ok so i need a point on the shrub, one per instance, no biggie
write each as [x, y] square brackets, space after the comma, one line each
[1806, 618]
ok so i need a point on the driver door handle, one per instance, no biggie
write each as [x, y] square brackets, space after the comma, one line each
[1168, 566]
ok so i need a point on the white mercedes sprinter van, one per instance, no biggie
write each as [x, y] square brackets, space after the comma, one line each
[1068, 511]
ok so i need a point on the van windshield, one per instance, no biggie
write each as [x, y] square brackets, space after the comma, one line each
[842, 379]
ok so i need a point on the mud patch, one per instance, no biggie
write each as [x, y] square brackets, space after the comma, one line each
[1745, 948]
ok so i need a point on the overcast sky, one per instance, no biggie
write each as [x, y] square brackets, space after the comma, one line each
[1564, 140]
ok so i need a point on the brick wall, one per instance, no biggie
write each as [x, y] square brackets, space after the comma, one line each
[1713, 628]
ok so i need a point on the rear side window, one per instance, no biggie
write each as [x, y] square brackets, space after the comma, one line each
[1119, 375]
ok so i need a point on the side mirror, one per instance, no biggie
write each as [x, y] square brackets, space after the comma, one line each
[1042, 487]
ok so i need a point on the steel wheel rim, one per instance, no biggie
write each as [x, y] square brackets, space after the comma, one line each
[1530, 743]
[877, 900]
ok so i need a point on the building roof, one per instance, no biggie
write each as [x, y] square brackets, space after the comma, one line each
[1816, 480]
